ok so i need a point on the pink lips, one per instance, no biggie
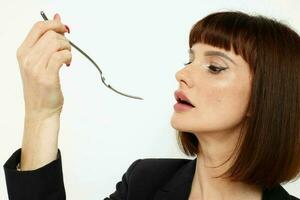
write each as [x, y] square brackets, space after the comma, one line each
[180, 96]
[182, 102]
[182, 107]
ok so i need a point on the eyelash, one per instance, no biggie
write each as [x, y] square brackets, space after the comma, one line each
[210, 66]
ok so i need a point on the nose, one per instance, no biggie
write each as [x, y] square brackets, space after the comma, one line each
[183, 77]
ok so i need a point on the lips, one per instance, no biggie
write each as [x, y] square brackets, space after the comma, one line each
[181, 98]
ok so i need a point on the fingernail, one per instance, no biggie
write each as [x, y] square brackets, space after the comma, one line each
[68, 29]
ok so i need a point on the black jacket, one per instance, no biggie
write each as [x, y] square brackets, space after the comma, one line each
[145, 179]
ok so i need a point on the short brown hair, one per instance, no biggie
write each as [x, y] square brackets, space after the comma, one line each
[269, 143]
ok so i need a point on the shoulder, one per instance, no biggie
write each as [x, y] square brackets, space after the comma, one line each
[161, 163]
[278, 192]
[157, 170]
[157, 165]
[293, 198]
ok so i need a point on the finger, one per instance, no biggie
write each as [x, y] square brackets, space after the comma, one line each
[39, 29]
[57, 60]
[57, 17]
[50, 43]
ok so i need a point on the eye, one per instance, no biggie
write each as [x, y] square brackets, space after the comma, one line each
[188, 63]
[214, 69]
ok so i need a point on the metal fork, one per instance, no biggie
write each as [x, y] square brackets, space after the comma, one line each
[95, 64]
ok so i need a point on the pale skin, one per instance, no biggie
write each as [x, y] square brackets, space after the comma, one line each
[220, 101]
[40, 57]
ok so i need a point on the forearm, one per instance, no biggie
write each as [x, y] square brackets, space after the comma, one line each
[40, 141]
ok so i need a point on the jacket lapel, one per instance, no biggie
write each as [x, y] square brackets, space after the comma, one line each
[180, 184]
[178, 188]
[275, 193]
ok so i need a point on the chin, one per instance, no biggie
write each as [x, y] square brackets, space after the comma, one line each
[180, 124]
[185, 124]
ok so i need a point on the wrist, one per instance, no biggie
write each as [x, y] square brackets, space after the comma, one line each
[40, 141]
[39, 116]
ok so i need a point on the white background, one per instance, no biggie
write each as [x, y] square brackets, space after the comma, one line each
[139, 46]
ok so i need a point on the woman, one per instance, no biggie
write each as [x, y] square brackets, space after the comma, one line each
[238, 111]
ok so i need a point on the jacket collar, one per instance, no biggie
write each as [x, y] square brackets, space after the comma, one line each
[180, 185]
[275, 193]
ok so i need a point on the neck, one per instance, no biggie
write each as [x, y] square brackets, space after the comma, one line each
[214, 149]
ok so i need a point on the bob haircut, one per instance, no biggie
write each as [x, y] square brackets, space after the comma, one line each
[268, 149]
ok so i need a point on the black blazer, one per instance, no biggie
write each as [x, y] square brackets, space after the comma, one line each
[145, 179]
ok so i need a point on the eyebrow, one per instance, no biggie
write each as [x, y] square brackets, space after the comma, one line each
[214, 53]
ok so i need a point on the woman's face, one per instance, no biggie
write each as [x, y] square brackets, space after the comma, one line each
[220, 97]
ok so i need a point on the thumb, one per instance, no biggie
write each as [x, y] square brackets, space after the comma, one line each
[57, 17]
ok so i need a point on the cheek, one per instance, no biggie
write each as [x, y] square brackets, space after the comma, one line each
[230, 100]
[224, 101]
